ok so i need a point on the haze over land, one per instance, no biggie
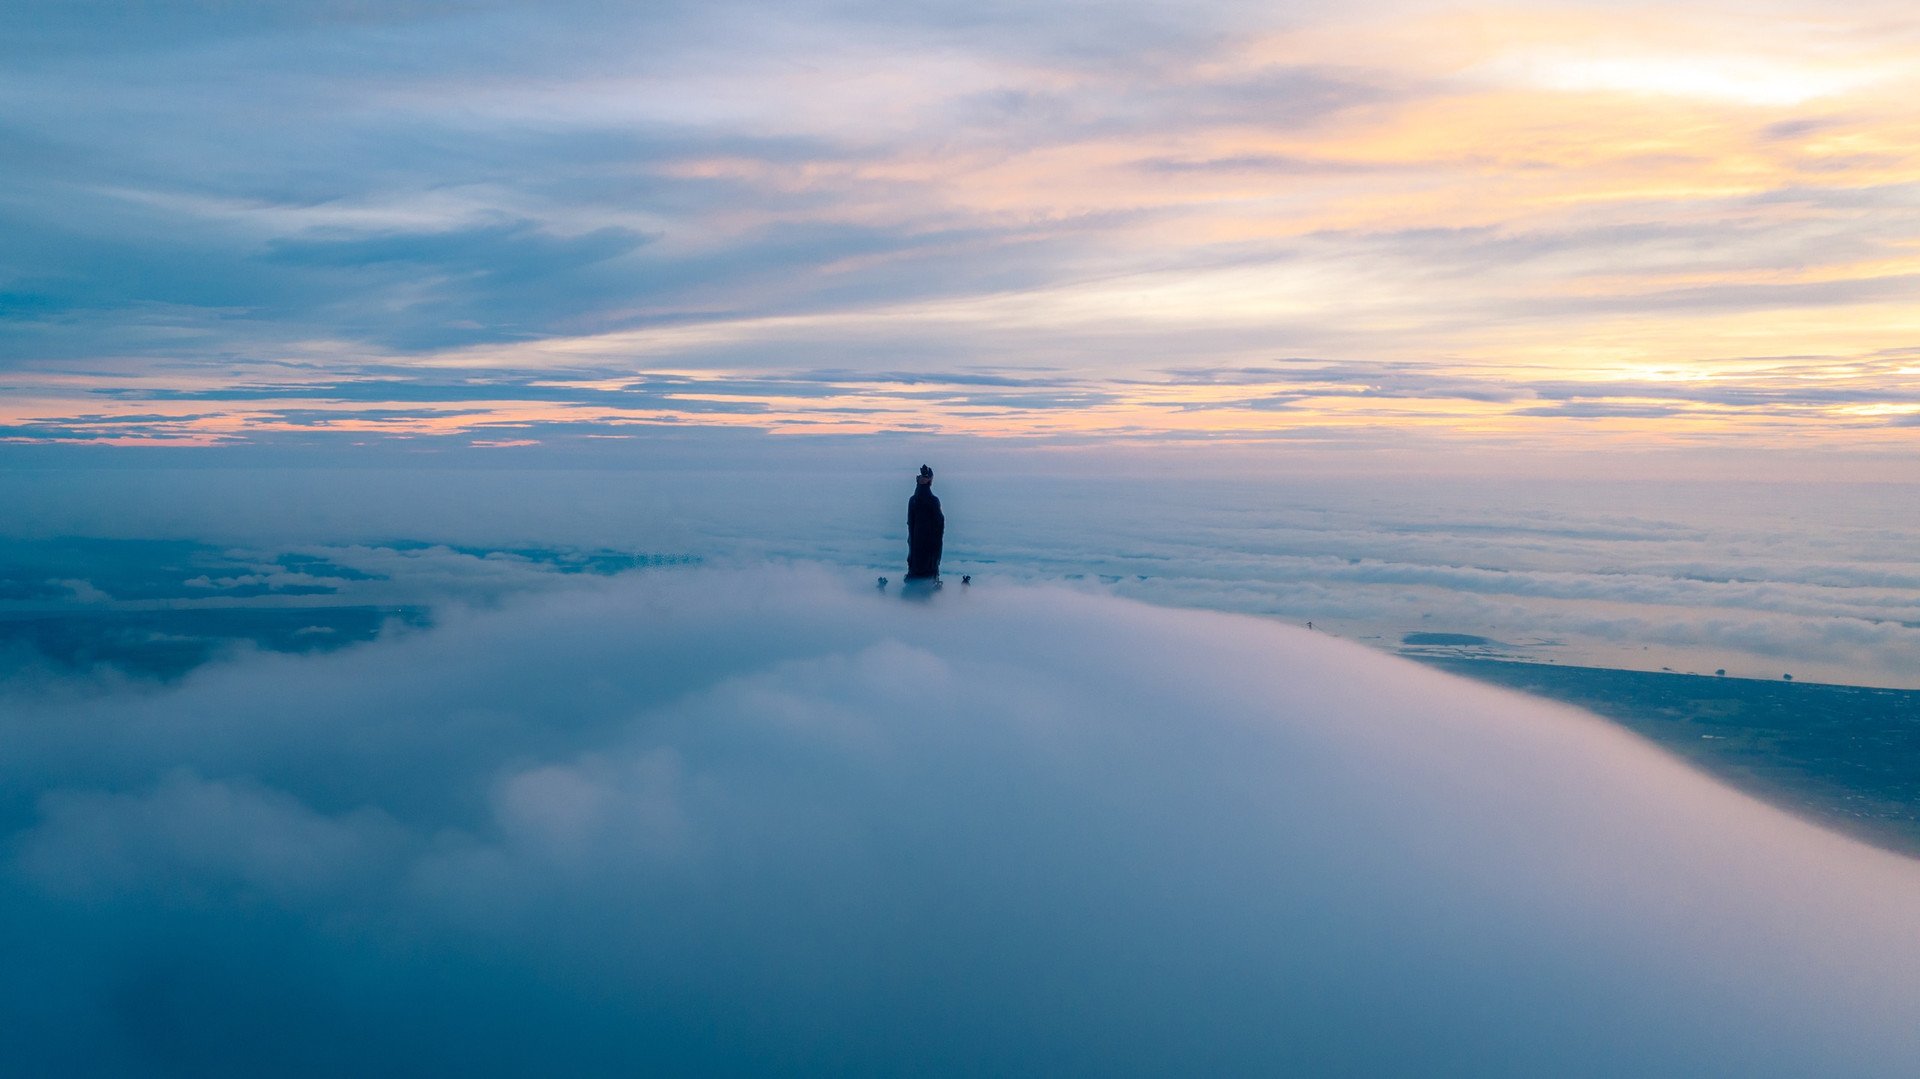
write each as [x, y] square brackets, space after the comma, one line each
[1817, 581]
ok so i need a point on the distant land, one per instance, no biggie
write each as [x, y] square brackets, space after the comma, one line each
[1451, 640]
[1844, 756]
[167, 644]
[159, 609]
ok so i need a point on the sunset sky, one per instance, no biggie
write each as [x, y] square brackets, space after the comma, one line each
[1405, 226]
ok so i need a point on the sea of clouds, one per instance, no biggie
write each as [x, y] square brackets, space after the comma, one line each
[1818, 580]
[761, 819]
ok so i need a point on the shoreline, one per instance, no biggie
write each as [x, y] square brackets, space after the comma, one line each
[1844, 757]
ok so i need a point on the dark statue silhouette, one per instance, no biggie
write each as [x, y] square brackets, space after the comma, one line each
[926, 528]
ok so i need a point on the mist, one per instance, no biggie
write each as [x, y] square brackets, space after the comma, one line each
[1753, 578]
[764, 819]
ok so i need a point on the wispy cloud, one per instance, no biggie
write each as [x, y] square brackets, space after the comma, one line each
[744, 191]
[1866, 398]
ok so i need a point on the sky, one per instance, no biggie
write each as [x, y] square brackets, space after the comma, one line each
[762, 819]
[1406, 232]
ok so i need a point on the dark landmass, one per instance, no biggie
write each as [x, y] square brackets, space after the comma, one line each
[1467, 640]
[1426, 644]
[166, 644]
[157, 609]
[1844, 756]
[601, 561]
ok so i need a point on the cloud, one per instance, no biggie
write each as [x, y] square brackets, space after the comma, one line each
[264, 403]
[1604, 410]
[1735, 575]
[758, 819]
[225, 840]
[879, 187]
[1283, 164]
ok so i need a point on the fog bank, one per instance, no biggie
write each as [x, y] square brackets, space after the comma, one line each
[772, 820]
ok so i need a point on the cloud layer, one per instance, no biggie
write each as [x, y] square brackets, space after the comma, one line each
[1816, 580]
[1661, 223]
[763, 820]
